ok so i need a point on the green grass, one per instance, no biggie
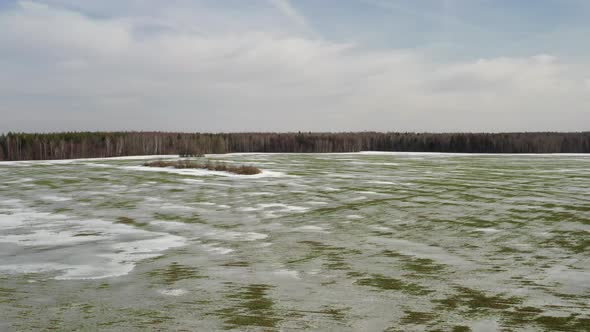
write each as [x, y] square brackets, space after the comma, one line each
[473, 301]
[334, 258]
[175, 272]
[386, 283]
[417, 267]
[417, 317]
[251, 308]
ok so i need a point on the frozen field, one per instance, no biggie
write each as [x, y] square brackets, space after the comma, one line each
[340, 242]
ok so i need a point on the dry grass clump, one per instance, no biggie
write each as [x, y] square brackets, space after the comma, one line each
[221, 167]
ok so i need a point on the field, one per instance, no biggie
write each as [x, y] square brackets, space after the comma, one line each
[342, 242]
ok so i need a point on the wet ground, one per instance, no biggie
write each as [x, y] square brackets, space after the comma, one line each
[340, 242]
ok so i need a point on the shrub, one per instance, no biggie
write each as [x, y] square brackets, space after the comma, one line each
[220, 167]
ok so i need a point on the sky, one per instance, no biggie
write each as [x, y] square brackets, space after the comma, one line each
[295, 65]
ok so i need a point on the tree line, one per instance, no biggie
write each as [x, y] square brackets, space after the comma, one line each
[68, 145]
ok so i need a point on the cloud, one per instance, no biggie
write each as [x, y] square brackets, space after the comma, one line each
[442, 17]
[62, 70]
[287, 9]
[39, 28]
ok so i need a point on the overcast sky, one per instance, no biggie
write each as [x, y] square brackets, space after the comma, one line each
[288, 65]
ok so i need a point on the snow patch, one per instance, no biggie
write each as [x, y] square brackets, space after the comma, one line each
[77, 249]
[287, 273]
[172, 292]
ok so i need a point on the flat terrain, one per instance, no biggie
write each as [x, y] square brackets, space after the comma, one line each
[341, 242]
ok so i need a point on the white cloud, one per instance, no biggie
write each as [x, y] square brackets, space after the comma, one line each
[65, 71]
[39, 28]
[285, 7]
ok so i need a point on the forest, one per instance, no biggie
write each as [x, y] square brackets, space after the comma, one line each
[68, 145]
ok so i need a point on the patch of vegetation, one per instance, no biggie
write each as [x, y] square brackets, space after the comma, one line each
[192, 219]
[333, 313]
[62, 210]
[576, 243]
[417, 266]
[145, 318]
[335, 257]
[423, 266]
[130, 222]
[237, 264]
[220, 167]
[121, 204]
[70, 181]
[417, 318]
[381, 233]
[167, 216]
[510, 250]
[175, 272]
[476, 222]
[474, 301]
[103, 285]
[251, 308]
[391, 253]
[355, 274]
[386, 283]
[349, 207]
[99, 179]
[46, 183]
[7, 295]
[531, 316]
[83, 234]
[571, 323]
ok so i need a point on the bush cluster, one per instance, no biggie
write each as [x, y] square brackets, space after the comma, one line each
[221, 167]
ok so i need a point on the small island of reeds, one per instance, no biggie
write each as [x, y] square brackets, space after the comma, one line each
[220, 167]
